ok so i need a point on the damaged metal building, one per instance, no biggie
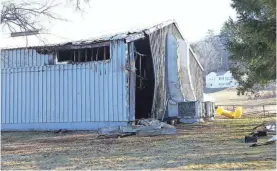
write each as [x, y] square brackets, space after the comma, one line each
[110, 81]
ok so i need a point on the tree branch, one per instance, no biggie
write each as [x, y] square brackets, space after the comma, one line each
[22, 16]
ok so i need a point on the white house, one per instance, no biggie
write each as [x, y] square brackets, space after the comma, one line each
[220, 80]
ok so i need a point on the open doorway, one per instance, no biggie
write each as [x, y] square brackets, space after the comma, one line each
[144, 79]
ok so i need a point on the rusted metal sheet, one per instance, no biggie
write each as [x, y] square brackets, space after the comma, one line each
[92, 93]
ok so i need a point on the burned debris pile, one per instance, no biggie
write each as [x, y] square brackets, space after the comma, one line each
[144, 127]
[262, 130]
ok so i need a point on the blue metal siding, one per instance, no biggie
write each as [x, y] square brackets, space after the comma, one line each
[23, 58]
[86, 92]
[132, 81]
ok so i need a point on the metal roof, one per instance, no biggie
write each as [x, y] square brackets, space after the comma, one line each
[220, 73]
[128, 36]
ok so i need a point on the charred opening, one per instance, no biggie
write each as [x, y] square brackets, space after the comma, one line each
[84, 54]
[144, 79]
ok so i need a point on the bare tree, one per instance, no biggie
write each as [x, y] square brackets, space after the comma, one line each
[21, 15]
[79, 3]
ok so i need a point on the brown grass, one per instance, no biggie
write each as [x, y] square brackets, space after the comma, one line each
[230, 97]
[210, 145]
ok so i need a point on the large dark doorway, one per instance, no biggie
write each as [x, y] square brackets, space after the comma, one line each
[144, 79]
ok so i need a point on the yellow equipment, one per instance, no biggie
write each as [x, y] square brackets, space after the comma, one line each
[229, 114]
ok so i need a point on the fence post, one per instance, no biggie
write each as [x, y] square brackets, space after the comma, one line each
[263, 110]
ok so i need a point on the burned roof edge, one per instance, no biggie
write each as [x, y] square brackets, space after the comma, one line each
[127, 36]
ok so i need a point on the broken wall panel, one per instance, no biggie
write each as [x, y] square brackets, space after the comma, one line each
[173, 83]
[157, 43]
[85, 96]
[184, 71]
[171, 65]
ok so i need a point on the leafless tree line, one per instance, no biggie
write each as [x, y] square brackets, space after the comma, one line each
[212, 53]
[214, 57]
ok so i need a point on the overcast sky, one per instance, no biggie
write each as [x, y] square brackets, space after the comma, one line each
[194, 17]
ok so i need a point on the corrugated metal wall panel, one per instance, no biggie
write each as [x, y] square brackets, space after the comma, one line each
[87, 92]
[197, 76]
[23, 58]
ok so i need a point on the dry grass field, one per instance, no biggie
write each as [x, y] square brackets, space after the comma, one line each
[263, 106]
[211, 145]
[229, 97]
